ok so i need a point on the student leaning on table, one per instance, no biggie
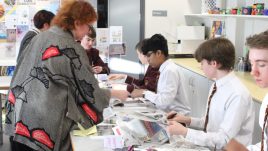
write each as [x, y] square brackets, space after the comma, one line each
[150, 79]
[170, 93]
[87, 42]
[54, 87]
[258, 56]
[230, 112]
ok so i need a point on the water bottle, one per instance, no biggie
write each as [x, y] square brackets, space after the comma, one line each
[241, 64]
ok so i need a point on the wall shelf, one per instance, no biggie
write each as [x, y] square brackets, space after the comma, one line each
[227, 16]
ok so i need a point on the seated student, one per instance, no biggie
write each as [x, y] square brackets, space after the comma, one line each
[95, 61]
[150, 79]
[230, 110]
[258, 56]
[170, 94]
[41, 21]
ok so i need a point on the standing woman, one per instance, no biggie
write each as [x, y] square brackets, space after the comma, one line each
[54, 86]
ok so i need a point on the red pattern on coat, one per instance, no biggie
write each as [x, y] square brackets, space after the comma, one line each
[50, 52]
[11, 98]
[22, 129]
[90, 113]
[42, 137]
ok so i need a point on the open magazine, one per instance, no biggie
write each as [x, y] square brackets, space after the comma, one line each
[139, 131]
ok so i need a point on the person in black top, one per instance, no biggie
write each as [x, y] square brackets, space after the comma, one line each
[41, 21]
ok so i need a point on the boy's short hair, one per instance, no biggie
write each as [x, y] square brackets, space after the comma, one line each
[91, 32]
[42, 17]
[220, 50]
[259, 41]
[156, 42]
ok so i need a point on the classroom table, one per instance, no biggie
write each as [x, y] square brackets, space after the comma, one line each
[93, 142]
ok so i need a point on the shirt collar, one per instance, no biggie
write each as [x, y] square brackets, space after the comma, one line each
[36, 30]
[163, 65]
[225, 79]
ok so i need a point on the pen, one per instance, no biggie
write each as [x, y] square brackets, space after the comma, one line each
[171, 115]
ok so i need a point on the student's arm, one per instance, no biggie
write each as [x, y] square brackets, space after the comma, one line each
[98, 62]
[167, 89]
[237, 109]
[234, 145]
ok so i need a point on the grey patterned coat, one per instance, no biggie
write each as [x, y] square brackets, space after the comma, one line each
[52, 89]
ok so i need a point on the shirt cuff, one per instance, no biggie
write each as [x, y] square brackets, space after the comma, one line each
[149, 96]
[128, 79]
[191, 133]
[194, 122]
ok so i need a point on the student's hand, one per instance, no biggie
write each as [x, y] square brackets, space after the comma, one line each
[175, 128]
[137, 93]
[116, 76]
[97, 69]
[120, 94]
[173, 116]
[234, 145]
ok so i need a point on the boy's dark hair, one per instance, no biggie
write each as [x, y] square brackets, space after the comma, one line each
[220, 50]
[140, 44]
[259, 41]
[156, 42]
[91, 32]
[42, 17]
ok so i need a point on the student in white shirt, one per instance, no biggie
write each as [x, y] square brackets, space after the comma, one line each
[258, 56]
[170, 93]
[231, 111]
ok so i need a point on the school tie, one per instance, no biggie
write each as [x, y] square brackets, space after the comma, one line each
[209, 100]
[263, 129]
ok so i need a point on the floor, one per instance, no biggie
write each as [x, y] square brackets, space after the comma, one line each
[6, 145]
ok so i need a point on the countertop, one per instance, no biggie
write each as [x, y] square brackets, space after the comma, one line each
[257, 93]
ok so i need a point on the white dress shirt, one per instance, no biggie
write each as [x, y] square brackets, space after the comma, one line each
[257, 147]
[170, 94]
[231, 115]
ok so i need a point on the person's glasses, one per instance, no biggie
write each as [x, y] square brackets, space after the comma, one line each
[149, 54]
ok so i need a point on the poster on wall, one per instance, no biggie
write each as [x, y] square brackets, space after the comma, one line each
[217, 29]
[11, 35]
[11, 21]
[26, 2]
[21, 31]
[116, 35]
[7, 50]
[23, 17]
[102, 38]
[104, 53]
[117, 49]
[3, 30]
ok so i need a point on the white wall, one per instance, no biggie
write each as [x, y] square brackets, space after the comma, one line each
[175, 16]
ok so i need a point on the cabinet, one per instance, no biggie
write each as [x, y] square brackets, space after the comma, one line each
[197, 89]
[237, 27]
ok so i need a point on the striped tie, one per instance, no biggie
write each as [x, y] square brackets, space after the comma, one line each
[263, 129]
[209, 100]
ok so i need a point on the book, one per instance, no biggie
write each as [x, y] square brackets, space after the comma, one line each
[217, 29]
